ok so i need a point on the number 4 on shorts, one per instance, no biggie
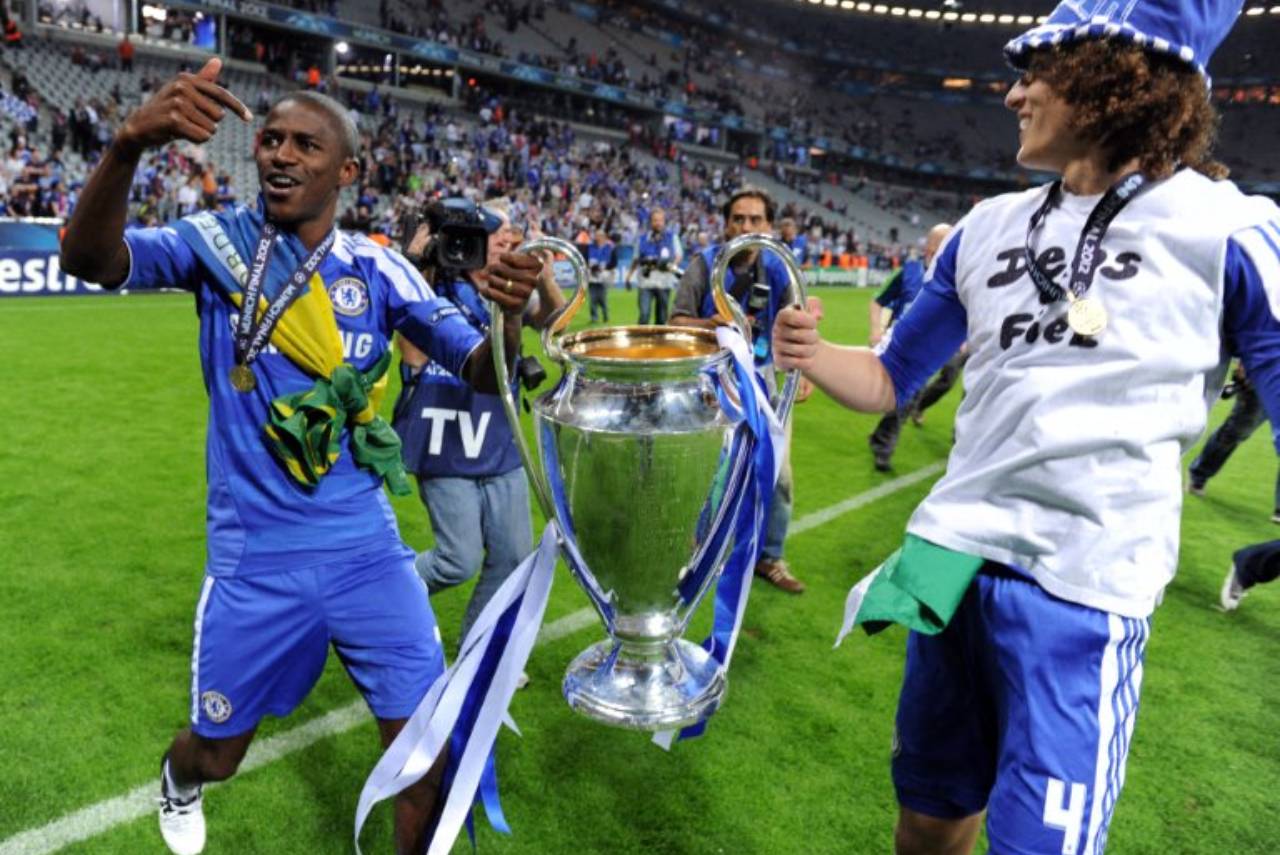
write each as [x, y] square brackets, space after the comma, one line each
[1066, 817]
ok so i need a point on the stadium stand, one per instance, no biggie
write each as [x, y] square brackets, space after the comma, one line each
[924, 139]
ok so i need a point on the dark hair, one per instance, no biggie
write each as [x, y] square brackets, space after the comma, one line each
[749, 192]
[1134, 104]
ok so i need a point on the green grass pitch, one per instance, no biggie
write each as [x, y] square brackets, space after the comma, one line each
[101, 550]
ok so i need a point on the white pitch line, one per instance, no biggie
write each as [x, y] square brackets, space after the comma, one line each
[567, 625]
[827, 514]
[102, 817]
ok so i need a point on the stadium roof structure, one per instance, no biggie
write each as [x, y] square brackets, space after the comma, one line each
[1002, 12]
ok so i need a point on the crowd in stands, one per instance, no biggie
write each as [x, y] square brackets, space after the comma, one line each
[554, 182]
[411, 154]
[170, 183]
[431, 21]
[705, 71]
[502, 148]
[706, 66]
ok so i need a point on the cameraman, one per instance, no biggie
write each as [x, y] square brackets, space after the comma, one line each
[657, 258]
[601, 258]
[457, 441]
[759, 282]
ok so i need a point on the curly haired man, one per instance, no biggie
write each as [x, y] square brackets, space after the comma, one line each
[1100, 311]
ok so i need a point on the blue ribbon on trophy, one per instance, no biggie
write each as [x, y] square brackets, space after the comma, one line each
[467, 705]
[761, 430]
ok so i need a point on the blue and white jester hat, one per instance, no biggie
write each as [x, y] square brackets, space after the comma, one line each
[1189, 30]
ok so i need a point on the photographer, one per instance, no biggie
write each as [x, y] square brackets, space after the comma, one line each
[759, 282]
[657, 258]
[458, 441]
[601, 258]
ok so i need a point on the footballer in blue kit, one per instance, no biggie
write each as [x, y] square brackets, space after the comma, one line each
[294, 564]
[1101, 313]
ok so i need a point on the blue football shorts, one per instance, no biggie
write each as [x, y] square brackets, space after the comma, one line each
[261, 641]
[1025, 706]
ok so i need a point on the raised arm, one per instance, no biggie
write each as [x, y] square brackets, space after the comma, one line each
[854, 376]
[926, 336]
[188, 107]
[435, 326]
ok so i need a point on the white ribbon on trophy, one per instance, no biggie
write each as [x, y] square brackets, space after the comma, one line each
[509, 622]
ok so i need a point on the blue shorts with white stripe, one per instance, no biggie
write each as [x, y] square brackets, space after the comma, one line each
[1024, 706]
[261, 641]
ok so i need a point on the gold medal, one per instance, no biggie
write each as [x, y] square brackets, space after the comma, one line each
[1086, 316]
[242, 378]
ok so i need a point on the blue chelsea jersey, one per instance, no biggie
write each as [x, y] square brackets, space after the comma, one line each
[448, 429]
[259, 519]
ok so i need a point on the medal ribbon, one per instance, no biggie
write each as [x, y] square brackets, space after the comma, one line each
[1085, 261]
[253, 331]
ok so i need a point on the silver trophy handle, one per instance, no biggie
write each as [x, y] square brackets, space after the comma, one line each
[557, 324]
[785, 397]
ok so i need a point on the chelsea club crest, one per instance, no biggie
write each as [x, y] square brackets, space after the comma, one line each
[216, 706]
[349, 296]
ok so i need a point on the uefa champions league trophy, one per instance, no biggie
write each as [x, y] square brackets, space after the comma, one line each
[644, 461]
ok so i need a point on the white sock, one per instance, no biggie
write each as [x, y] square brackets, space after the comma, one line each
[171, 788]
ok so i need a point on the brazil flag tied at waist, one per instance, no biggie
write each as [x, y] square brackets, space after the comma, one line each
[304, 429]
[920, 586]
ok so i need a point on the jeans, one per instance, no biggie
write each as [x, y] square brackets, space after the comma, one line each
[480, 524]
[1246, 414]
[1257, 564]
[940, 385]
[658, 299]
[884, 439]
[780, 511]
[597, 294]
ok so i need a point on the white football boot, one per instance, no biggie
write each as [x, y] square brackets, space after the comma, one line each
[181, 821]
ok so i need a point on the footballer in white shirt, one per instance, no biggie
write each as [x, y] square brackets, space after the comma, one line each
[1101, 311]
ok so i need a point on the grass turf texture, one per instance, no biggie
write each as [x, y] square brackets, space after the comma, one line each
[101, 549]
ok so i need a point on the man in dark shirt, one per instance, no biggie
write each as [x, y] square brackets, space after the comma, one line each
[758, 281]
[896, 296]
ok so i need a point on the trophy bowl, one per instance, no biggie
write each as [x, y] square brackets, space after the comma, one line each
[644, 455]
[635, 445]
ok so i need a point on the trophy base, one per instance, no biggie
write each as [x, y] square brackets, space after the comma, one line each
[662, 688]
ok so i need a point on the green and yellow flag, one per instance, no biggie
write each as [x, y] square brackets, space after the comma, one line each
[304, 428]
